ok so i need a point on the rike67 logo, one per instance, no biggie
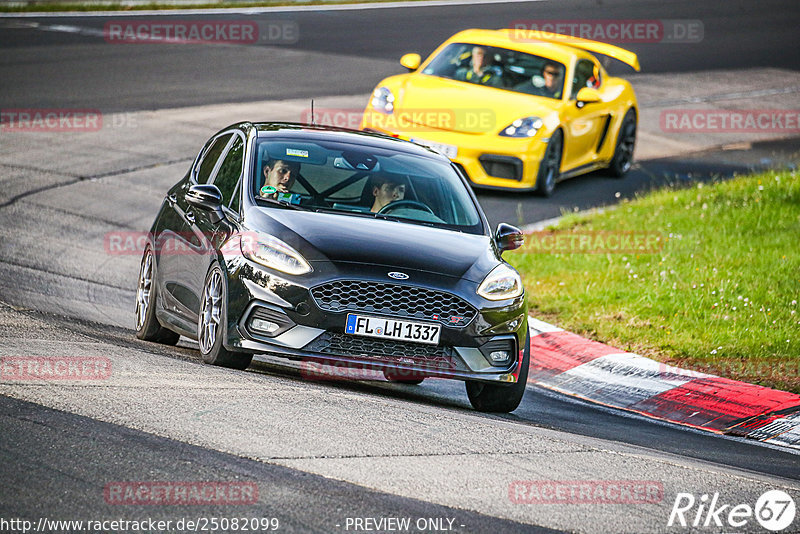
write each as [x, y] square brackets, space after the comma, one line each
[774, 510]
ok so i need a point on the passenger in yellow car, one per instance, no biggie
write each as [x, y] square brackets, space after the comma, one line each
[480, 71]
[549, 84]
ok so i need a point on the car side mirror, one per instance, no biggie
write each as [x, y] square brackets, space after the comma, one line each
[206, 197]
[508, 237]
[411, 61]
[588, 95]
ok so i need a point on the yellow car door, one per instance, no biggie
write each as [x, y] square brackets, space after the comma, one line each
[584, 121]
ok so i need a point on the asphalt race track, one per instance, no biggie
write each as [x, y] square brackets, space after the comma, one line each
[320, 453]
[347, 52]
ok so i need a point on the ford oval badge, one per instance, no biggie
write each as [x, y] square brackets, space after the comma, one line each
[398, 276]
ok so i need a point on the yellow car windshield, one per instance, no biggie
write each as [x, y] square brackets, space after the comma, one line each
[501, 68]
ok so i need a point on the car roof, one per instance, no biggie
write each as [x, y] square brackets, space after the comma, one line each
[505, 39]
[314, 132]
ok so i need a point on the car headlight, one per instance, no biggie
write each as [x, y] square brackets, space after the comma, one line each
[500, 284]
[383, 100]
[275, 254]
[526, 127]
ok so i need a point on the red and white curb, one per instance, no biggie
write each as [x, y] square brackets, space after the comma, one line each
[570, 364]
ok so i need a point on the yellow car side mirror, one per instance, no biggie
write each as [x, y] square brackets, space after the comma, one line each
[587, 95]
[411, 61]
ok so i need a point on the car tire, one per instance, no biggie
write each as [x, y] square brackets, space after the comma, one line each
[501, 398]
[399, 378]
[550, 166]
[626, 143]
[147, 326]
[211, 324]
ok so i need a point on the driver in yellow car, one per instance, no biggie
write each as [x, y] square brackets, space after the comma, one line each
[549, 84]
[552, 80]
[386, 190]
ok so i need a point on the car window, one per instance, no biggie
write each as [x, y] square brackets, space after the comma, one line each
[236, 200]
[210, 158]
[502, 68]
[586, 75]
[230, 170]
[362, 181]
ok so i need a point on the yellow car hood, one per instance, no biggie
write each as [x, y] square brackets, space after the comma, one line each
[433, 103]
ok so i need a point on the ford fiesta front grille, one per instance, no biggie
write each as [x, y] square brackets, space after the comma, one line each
[395, 300]
[433, 356]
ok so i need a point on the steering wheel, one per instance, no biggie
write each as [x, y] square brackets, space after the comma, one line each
[412, 204]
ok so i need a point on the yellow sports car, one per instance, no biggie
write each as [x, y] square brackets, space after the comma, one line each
[513, 109]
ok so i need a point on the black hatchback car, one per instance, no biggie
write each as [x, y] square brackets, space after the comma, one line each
[336, 247]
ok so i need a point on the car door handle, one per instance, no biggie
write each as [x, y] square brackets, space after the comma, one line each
[190, 216]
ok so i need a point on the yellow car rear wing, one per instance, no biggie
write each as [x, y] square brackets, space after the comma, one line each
[620, 54]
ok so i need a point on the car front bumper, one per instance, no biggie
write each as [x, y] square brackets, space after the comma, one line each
[315, 335]
[488, 160]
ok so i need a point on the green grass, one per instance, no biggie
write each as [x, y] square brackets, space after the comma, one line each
[720, 296]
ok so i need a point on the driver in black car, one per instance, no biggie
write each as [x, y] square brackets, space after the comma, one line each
[386, 190]
[279, 175]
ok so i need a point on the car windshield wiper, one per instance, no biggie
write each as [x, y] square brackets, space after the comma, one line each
[370, 215]
[337, 211]
[284, 204]
[406, 220]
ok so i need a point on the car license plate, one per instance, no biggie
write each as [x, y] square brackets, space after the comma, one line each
[363, 325]
[450, 151]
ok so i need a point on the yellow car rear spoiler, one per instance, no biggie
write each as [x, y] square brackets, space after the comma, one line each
[620, 54]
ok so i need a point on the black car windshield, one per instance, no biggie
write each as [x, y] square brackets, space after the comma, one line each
[499, 67]
[362, 181]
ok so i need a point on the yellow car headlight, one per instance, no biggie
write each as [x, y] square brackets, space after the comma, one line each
[525, 127]
[383, 100]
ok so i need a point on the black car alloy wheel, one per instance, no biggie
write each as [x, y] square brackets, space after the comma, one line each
[147, 326]
[211, 324]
